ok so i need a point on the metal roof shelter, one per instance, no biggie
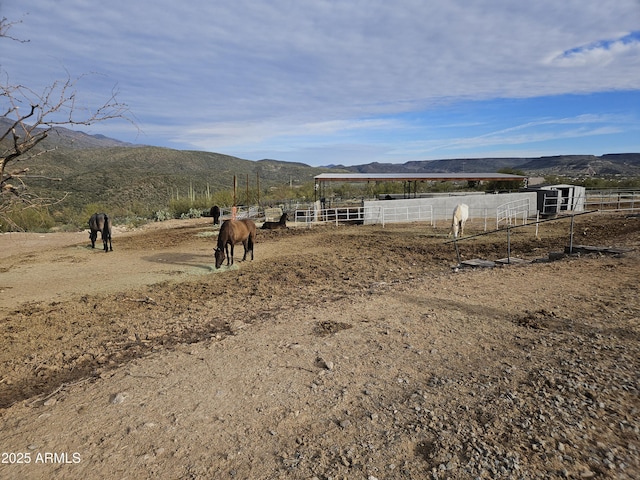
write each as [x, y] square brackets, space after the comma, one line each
[414, 177]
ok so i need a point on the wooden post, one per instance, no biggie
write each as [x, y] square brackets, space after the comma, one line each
[235, 188]
[258, 187]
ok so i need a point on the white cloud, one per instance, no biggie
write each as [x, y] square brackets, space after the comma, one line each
[536, 132]
[277, 73]
[246, 134]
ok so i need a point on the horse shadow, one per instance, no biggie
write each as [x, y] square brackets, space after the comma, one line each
[192, 260]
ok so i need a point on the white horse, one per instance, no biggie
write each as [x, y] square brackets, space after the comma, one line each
[460, 216]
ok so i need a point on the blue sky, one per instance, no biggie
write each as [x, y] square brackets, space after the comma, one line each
[345, 81]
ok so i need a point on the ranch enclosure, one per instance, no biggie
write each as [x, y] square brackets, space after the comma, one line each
[496, 210]
[350, 351]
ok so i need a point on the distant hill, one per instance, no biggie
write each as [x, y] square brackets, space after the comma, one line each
[66, 138]
[153, 175]
[618, 164]
[95, 168]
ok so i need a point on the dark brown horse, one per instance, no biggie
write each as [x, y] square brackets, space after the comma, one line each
[100, 222]
[215, 213]
[282, 223]
[233, 232]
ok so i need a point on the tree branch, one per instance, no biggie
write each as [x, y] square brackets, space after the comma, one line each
[55, 106]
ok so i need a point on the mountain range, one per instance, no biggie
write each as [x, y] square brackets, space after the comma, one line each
[573, 166]
[95, 168]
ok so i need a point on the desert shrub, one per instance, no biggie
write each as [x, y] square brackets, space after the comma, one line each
[180, 206]
[162, 215]
[27, 219]
[192, 213]
[72, 218]
[184, 207]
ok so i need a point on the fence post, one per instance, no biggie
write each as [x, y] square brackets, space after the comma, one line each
[571, 236]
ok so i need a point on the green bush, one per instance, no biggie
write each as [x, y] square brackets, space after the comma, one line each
[28, 220]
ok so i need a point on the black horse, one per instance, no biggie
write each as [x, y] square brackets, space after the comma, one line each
[100, 222]
[215, 213]
[282, 223]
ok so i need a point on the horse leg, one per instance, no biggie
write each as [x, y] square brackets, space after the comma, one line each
[244, 244]
[229, 257]
[108, 239]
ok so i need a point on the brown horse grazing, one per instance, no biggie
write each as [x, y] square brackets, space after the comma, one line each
[231, 233]
[282, 223]
[215, 213]
[100, 222]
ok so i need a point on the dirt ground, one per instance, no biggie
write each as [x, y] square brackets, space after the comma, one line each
[340, 352]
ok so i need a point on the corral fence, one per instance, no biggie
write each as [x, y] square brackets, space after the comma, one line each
[330, 215]
[508, 228]
[621, 200]
[237, 212]
[381, 215]
[242, 212]
[511, 212]
[517, 208]
[400, 214]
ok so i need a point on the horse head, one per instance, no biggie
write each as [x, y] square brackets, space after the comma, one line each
[219, 256]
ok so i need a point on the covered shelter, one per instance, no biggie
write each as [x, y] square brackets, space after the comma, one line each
[411, 178]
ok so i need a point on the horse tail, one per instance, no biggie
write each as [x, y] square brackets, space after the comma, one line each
[251, 239]
[106, 227]
[93, 229]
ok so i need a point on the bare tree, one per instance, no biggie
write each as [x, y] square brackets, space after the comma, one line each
[28, 118]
